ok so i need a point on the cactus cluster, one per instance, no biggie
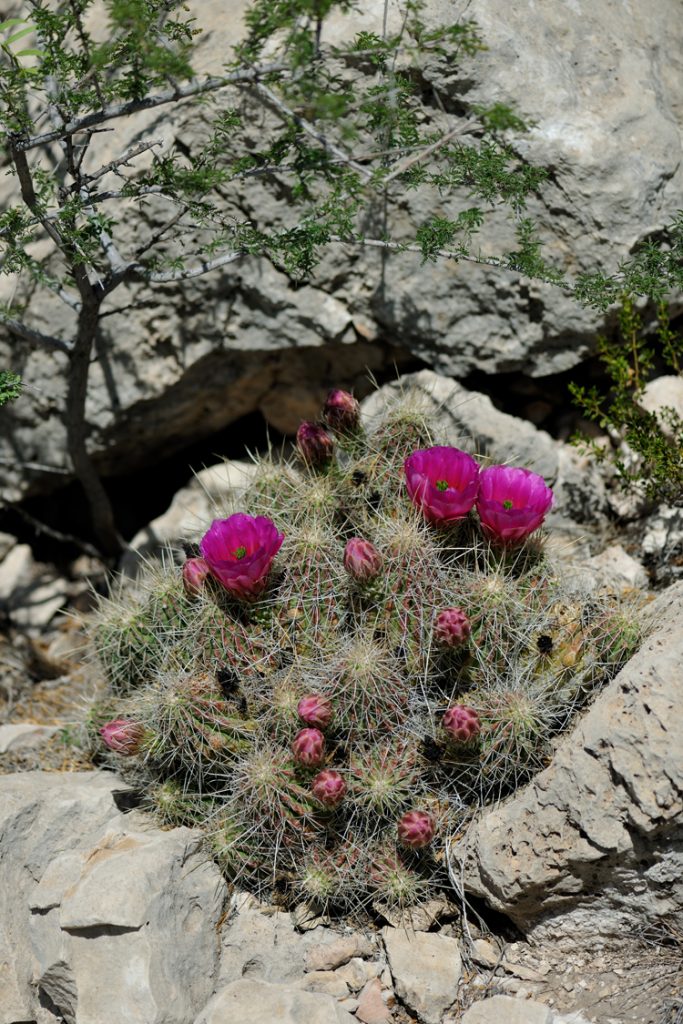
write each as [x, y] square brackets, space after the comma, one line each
[374, 646]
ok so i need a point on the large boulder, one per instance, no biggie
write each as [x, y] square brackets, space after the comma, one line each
[103, 917]
[603, 89]
[590, 851]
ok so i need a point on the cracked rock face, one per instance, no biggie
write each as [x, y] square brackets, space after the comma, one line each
[602, 83]
[122, 917]
[591, 848]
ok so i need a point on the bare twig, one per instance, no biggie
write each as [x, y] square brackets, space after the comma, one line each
[185, 274]
[404, 165]
[30, 334]
[301, 122]
[123, 160]
[49, 531]
[89, 121]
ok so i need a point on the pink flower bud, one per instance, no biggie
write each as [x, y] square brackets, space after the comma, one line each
[452, 627]
[362, 560]
[416, 829]
[309, 747]
[195, 571]
[315, 445]
[341, 411]
[462, 723]
[315, 710]
[329, 788]
[123, 735]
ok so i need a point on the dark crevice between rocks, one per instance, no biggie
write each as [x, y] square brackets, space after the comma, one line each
[96, 931]
[143, 493]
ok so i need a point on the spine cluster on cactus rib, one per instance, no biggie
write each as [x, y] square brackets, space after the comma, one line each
[374, 645]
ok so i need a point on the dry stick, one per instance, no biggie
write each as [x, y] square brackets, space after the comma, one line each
[305, 126]
[123, 160]
[35, 337]
[117, 110]
[401, 168]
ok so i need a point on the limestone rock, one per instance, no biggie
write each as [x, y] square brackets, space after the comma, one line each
[333, 954]
[371, 1007]
[210, 494]
[22, 735]
[105, 917]
[258, 1002]
[264, 947]
[509, 1010]
[663, 393]
[662, 544]
[426, 969]
[591, 848]
[617, 569]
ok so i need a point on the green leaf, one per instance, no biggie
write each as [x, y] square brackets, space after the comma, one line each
[20, 35]
[29, 53]
[11, 22]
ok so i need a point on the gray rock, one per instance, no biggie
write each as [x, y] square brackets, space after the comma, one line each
[591, 848]
[426, 968]
[617, 569]
[7, 542]
[123, 916]
[24, 735]
[16, 572]
[261, 1003]
[189, 361]
[663, 393]
[210, 494]
[662, 543]
[509, 1010]
[263, 946]
[328, 955]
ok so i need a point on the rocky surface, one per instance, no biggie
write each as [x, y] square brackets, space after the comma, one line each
[426, 968]
[602, 84]
[592, 846]
[102, 919]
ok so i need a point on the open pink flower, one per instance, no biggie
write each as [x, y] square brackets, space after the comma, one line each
[443, 482]
[240, 551]
[512, 502]
[123, 735]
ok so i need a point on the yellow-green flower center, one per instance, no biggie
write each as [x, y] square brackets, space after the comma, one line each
[442, 485]
[507, 503]
[240, 552]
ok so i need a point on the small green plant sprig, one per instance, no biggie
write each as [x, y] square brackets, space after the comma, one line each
[10, 386]
[654, 464]
[355, 664]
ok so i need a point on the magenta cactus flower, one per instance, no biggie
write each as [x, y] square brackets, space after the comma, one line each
[512, 502]
[341, 411]
[452, 627]
[240, 551]
[309, 747]
[123, 736]
[443, 482]
[315, 445]
[416, 829]
[315, 710]
[329, 788]
[195, 572]
[362, 560]
[461, 723]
